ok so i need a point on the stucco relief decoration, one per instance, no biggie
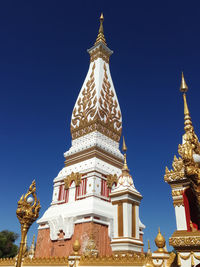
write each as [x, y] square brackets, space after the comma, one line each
[99, 52]
[178, 170]
[76, 177]
[97, 112]
[108, 105]
[85, 111]
[111, 179]
[190, 152]
[184, 241]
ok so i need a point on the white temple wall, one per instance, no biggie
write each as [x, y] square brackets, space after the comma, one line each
[127, 219]
[180, 218]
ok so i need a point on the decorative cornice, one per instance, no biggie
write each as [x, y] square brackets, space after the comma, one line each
[185, 239]
[178, 202]
[91, 153]
[7, 261]
[114, 260]
[52, 261]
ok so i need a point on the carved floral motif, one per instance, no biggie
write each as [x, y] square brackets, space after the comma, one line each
[178, 170]
[111, 179]
[108, 105]
[184, 241]
[93, 114]
[86, 104]
[76, 177]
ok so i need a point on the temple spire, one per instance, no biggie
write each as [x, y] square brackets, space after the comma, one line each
[100, 36]
[124, 149]
[187, 118]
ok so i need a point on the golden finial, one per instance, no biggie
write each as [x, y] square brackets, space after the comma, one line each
[187, 118]
[183, 87]
[124, 149]
[160, 241]
[100, 36]
[149, 248]
[76, 247]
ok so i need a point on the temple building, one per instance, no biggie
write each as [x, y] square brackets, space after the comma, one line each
[184, 180]
[94, 197]
[93, 219]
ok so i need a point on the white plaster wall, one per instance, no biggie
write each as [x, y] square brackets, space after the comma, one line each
[115, 212]
[127, 219]
[55, 192]
[180, 218]
[98, 186]
[137, 221]
[72, 191]
[93, 164]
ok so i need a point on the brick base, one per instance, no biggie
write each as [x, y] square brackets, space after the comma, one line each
[60, 248]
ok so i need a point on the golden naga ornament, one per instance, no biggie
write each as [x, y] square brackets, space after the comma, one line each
[28, 208]
[27, 212]
[76, 177]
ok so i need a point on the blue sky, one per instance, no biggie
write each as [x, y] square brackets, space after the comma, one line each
[43, 63]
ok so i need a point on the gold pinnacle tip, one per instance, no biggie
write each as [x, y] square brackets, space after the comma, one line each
[100, 36]
[183, 87]
[124, 147]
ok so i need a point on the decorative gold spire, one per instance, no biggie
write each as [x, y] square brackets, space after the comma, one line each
[187, 118]
[100, 36]
[149, 248]
[124, 149]
[160, 241]
[183, 87]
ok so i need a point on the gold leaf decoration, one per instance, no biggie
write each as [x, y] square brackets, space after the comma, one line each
[86, 104]
[92, 114]
[76, 177]
[111, 179]
[178, 170]
[108, 105]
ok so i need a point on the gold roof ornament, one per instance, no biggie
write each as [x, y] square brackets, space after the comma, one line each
[125, 168]
[160, 241]
[100, 36]
[187, 118]
[76, 247]
[183, 87]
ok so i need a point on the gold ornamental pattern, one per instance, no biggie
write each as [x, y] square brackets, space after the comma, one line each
[86, 104]
[177, 173]
[111, 179]
[125, 259]
[99, 52]
[108, 105]
[93, 114]
[185, 241]
[76, 177]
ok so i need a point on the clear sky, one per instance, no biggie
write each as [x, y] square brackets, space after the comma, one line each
[43, 63]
